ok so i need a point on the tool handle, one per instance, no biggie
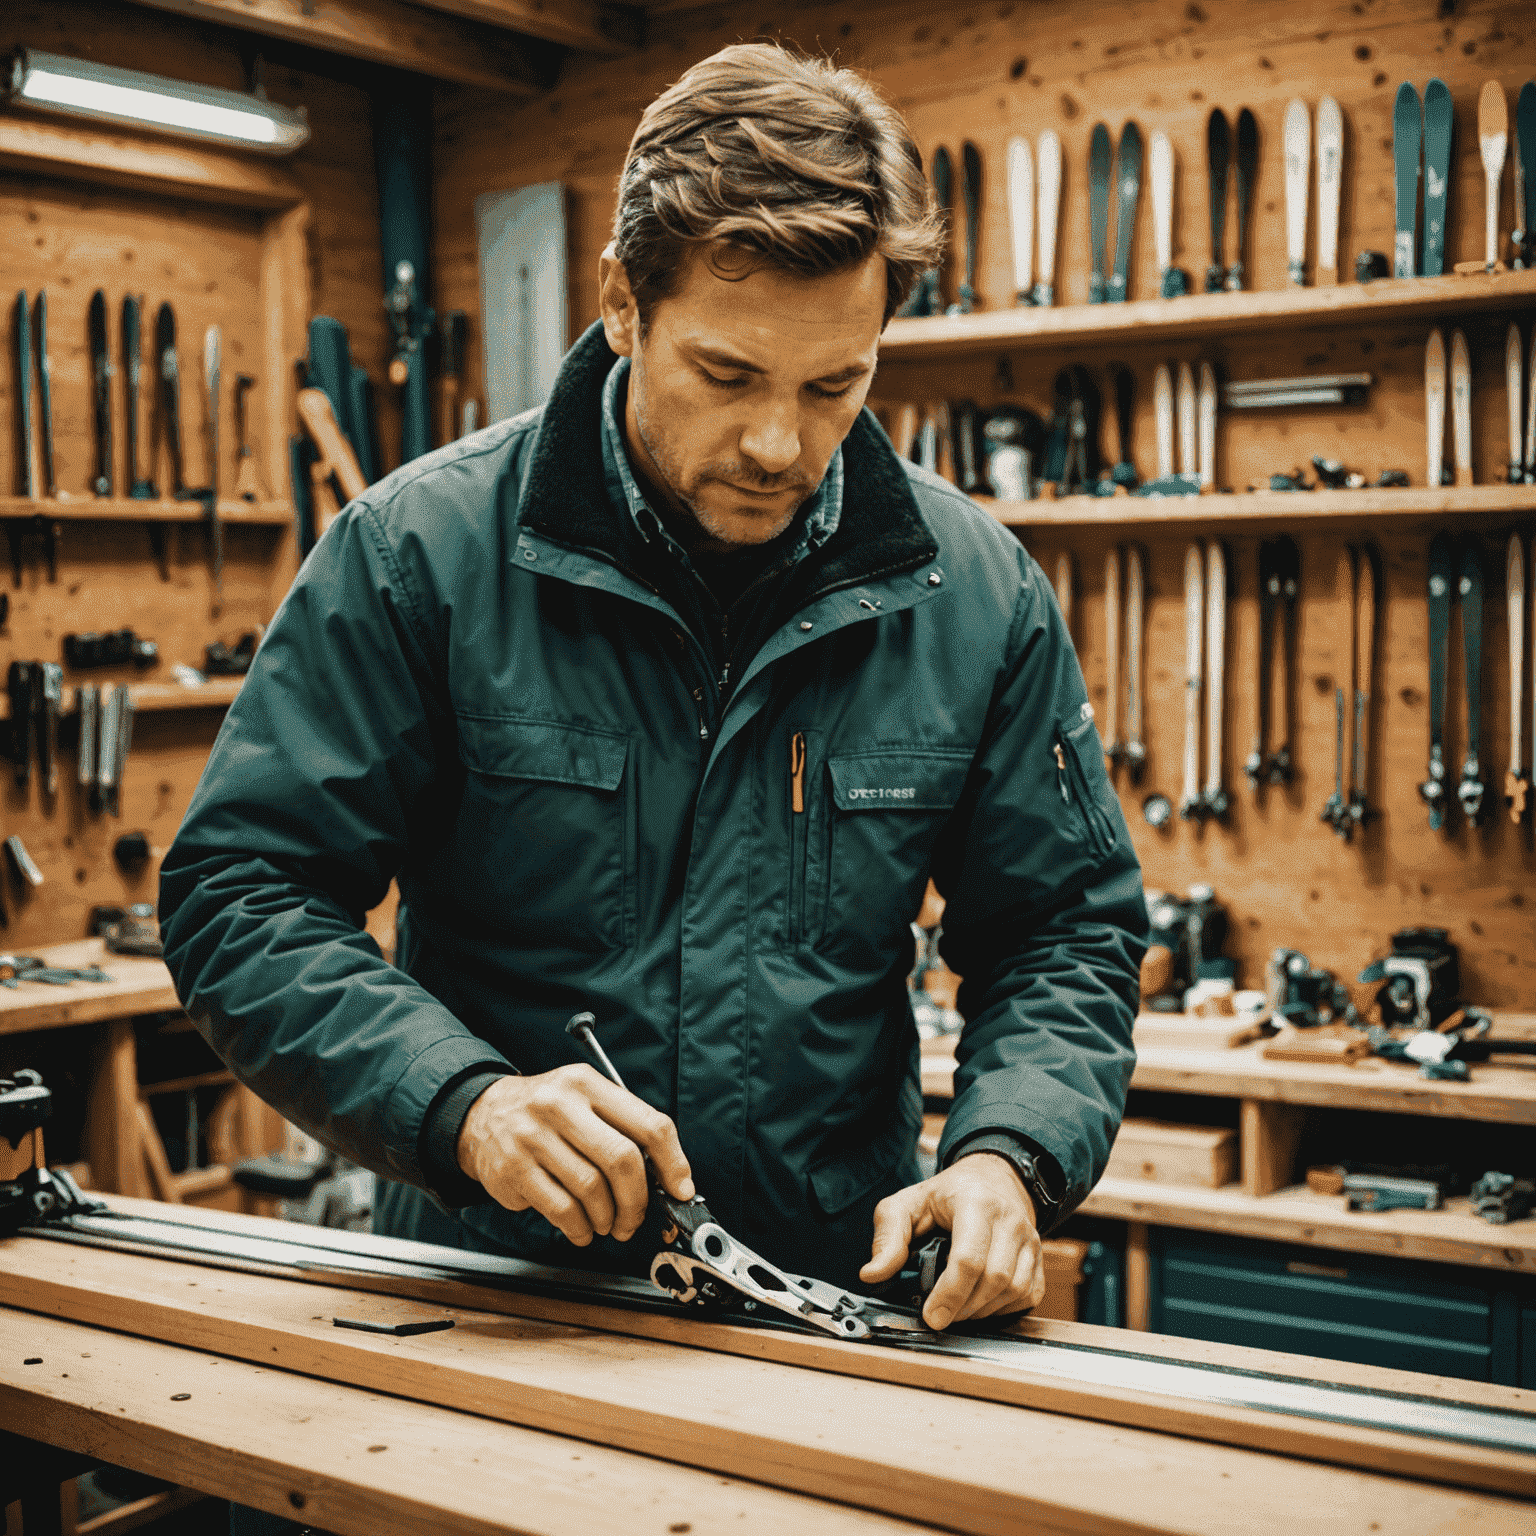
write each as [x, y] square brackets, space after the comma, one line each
[1135, 597]
[1207, 425]
[580, 1030]
[1188, 457]
[1194, 619]
[1298, 172]
[1216, 659]
[1461, 407]
[1112, 654]
[1330, 164]
[1434, 409]
[1048, 168]
[1162, 407]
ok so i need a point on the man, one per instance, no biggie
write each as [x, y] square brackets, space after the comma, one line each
[665, 701]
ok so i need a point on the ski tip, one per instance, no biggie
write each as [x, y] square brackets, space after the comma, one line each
[1492, 111]
[1406, 93]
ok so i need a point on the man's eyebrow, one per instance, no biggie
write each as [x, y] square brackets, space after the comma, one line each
[740, 365]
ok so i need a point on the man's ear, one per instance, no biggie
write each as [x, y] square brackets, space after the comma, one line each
[621, 314]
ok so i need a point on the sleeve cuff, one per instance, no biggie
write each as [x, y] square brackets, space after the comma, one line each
[438, 1150]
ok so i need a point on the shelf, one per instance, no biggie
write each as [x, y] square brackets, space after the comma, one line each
[1202, 315]
[220, 1079]
[138, 985]
[1488, 501]
[218, 693]
[108, 509]
[1452, 1235]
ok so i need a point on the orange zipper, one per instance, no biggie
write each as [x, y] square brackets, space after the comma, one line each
[797, 773]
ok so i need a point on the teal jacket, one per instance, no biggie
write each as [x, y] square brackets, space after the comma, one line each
[470, 689]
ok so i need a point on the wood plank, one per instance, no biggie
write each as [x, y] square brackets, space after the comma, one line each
[833, 1436]
[383, 32]
[110, 1140]
[1161, 1152]
[1270, 1135]
[608, 31]
[82, 509]
[381, 1463]
[1184, 1031]
[1451, 1235]
[1491, 503]
[1199, 316]
[122, 159]
[1138, 1277]
[138, 985]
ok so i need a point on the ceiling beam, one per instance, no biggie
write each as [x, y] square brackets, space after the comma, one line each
[592, 26]
[386, 32]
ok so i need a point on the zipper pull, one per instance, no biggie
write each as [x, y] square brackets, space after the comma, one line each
[1061, 772]
[725, 678]
[797, 773]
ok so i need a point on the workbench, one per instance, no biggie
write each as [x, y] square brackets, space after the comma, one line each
[537, 1414]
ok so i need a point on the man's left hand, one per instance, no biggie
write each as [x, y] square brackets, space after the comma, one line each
[994, 1251]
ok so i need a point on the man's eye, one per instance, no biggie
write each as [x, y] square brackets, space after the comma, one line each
[829, 394]
[722, 383]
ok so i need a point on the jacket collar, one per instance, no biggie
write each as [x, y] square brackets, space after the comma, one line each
[565, 497]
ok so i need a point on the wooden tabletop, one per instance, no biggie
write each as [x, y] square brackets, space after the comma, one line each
[137, 986]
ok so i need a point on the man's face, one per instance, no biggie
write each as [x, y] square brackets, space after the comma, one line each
[741, 390]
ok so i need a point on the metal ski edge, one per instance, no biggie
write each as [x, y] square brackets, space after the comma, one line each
[361, 1257]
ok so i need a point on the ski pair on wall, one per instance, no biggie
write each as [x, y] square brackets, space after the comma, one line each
[1298, 172]
[1034, 208]
[927, 298]
[1361, 575]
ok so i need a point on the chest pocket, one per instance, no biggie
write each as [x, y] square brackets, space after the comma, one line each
[546, 831]
[884, 812]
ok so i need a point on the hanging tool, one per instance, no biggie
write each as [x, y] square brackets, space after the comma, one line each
[1366, 601]
[1021, 218]
[1493, 141]
[1192, 807]
[970, 197]
[1207, 427]
[45, 395]
[1298, 175]
[28, 478]
[1407, 138]
[213, 345]
[1218, 150]
[1334, 810]
[109, 724]
[20, 685]
[454, 336]
[1330, 169]
[336, 465]
[1434, 408]
[1113, 749]
[1439, 123]
[1128, 182]
[1247, 174]
[1216, 800]
[1432, 790]
[51, 702]
[1514, 362]
[88, 707]
[245, 478]
[1516, 780]
[1279, 590]
[170, 396]
[1135, 604]
[101, 375]
[1461, 407]
[1100, 172]
[1124, 471]
[133, 345]
[1175, 282]
[1471, 790]
[1308, 389]
[1048, 169]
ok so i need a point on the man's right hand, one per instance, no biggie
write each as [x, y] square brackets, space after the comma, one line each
[572, 1146]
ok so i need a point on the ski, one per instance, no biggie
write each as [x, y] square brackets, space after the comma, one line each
[1218, 151]
[1336, 810]
[1206, 415]
[1269, 593]
[1525, 146]
[1439, 126]
[1434, 409]
[1174, 283]
[140, 488]
[1192, 807]
[1461, 407]
[1048, 170]
[1330, 169]
[1432, 790]
[1215, 800]
[23, 339]
[1516, 779]
[1162, 409]
[45, 395]
[1247, 174]
[101, 379]
[1099, 175]
[1514, 366]
[1530, 413]
[942, 198]
[1124, 471]
[1493, 141]
[1128, 180]
[1113, 750]
[1282, 762]
[1298, 170]
[1471, 790]
[1135, 601]
[1021, 217]
[1189, 462]
[1407, 133]
[213, 347]
[1517, 236]
[970, 197]
[1366, 601]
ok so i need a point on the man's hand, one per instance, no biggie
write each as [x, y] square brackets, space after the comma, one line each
[994, 1251]
[570, 1144]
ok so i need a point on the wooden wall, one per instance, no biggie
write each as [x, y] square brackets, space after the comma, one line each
[71, 237]
[987, 71]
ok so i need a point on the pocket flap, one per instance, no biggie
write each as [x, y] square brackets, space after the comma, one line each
[898, 779]
[838, 1186]
[540, 749]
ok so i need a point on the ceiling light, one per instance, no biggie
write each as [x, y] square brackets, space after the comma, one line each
[81, 88]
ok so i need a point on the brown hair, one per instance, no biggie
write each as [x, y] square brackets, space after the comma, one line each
[784, 158]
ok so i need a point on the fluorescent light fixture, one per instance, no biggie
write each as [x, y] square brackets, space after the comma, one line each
[81, 88]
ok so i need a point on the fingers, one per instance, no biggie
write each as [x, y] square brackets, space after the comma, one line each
[970, 1245]
[898, 1218]
[653, 1131]
[1025, 1282]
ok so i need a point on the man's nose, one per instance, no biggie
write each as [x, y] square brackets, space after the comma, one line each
[771, 439]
